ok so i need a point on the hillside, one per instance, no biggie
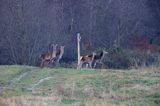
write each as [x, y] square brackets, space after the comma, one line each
[32, 86]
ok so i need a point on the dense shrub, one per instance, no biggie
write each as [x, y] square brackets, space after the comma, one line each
[122, 58]
[117, 58]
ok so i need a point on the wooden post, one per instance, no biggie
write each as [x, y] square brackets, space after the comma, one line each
[78, 41]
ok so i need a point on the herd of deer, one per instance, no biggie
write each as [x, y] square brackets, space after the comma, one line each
[92, 58]
[57, 52]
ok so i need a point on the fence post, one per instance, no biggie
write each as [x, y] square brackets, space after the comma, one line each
[78, 49]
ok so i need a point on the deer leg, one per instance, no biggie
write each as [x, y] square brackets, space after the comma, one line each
[58, 59]
[42, 63]
[54, 60]
[95, 64]
[51, 61]
[86, 65]
[46, 63]
[90, 65]
[80, 65]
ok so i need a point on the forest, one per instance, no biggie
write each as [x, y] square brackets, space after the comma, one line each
[129, 30]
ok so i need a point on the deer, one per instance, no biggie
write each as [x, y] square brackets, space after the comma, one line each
[47, 57]
[99, 58]
[59, 54]
[87, 59]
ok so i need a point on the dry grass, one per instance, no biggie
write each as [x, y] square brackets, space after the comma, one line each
[69, 87]
[94, 102]
[29, 101]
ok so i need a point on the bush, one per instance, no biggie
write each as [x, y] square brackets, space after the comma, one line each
[117, 58]
[124, 59]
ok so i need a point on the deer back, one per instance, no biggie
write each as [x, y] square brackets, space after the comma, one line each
[46, 56]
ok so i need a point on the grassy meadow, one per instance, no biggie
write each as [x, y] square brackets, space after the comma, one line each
[33, 86]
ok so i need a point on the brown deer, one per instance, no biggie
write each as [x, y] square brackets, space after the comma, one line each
[99, 58]
[87, 59]
[47, 57]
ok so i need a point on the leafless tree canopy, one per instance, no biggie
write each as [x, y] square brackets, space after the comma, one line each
[27, 27]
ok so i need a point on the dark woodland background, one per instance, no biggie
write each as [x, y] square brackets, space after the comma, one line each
[128, 29]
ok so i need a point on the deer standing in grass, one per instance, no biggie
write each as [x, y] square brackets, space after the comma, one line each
[87, 59]
[99, 58]
[47, 57]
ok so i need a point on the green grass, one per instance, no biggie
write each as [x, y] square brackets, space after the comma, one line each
[71, 87]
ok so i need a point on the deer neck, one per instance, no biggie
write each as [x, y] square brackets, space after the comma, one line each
[61, 54]
[54, 52]
[61, 51]
[101, 55]
[93, 57]
[58, 52]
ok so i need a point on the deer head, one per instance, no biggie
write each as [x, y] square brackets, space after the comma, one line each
[105, 52]
[62, 48]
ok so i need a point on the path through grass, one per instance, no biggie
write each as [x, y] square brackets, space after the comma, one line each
[71, 87]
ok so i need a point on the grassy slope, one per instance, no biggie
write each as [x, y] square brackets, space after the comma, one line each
[69, 87]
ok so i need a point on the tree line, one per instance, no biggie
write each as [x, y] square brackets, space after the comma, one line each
[27, 27]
